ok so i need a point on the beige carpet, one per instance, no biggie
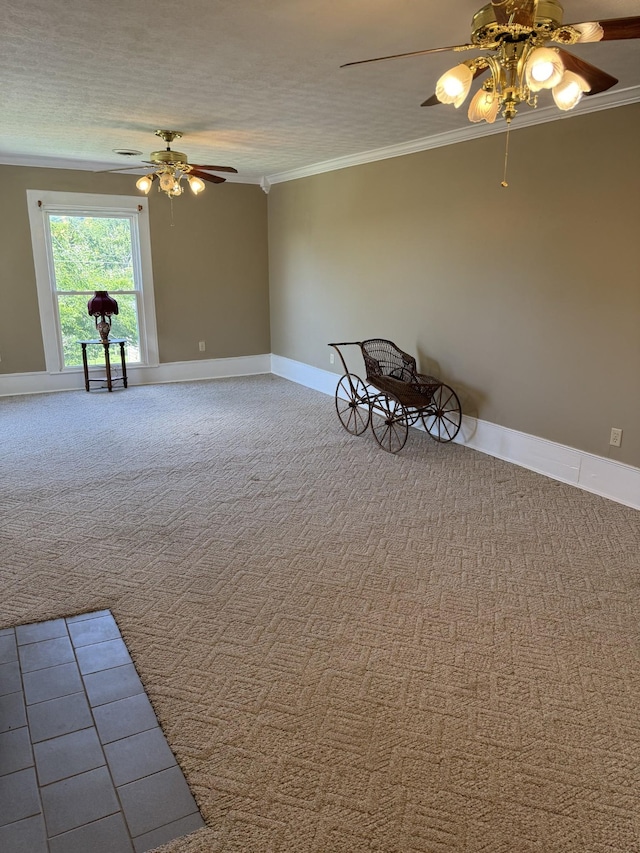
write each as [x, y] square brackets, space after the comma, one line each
[348, 651]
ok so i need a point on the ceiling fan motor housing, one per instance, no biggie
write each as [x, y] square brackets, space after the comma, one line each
[485, 31]
[169, 158]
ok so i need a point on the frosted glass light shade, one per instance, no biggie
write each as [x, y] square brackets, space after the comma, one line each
[569, 90]
[544, 69]
[196, 184]
[453, 87]
[589, 31]
[145, 183]
[167, 181]
[484, 106]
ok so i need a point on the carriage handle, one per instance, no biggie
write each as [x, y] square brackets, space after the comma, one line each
[337, 349]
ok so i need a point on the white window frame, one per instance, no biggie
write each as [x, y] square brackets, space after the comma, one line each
[43, 203]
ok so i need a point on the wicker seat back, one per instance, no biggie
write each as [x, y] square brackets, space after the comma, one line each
[383, 358]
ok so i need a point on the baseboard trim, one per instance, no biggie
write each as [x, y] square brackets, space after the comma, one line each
[12, 384]
[604, 477]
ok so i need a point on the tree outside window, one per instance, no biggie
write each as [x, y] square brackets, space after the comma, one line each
[93, 253]
[83, 243]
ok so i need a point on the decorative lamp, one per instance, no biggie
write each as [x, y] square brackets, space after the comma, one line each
[102, 306]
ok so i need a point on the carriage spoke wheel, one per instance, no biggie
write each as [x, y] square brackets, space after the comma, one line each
[443, 418]
[389, 423]
[351, 394]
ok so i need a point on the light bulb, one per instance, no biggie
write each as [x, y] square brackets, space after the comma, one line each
[569, 90]
[484, 106]
[145, 183]
[453, 87]
[196, 184]
[544, 69]
[541, 71]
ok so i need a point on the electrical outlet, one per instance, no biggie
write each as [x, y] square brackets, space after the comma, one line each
[201, 346]
[616, 437]
[332, 358]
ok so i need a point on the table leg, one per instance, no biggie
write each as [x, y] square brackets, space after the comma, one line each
[107, 363]
[124, 365]
[85, 366]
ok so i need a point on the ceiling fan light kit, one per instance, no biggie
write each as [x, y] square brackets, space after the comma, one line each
[521, 64]
[517, 38]
[173, 168]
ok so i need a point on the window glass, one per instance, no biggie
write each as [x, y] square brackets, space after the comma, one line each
[93, 253]
[86, 243]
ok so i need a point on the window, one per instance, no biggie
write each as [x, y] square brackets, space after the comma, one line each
[85, 243]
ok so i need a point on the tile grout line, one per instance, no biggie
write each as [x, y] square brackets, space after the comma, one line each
[31, 745]
[83, 691]
[95, 726]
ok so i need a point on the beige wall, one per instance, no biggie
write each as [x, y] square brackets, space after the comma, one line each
[526, 299]
[210, 267]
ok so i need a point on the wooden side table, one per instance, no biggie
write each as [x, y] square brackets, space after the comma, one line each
[107, 363]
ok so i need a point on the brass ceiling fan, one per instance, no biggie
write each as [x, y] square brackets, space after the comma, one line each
[518, 37]
[172, 167]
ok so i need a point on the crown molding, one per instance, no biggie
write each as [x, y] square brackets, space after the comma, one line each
[606, 101]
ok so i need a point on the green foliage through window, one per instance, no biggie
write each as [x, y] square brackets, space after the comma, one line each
[94, 253]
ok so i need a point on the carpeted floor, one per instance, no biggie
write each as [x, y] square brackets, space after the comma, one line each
[348, 651]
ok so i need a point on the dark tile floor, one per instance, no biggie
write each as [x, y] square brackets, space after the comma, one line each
[84, 765]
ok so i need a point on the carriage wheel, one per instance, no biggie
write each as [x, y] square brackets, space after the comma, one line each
[352, 393]
[389, 423]
[443, 418]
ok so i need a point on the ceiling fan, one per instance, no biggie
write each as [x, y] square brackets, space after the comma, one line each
[518, 37]
[172, 167]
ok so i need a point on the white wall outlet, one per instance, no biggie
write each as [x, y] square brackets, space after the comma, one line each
[332, 358]
[616, 437]
[201, 346]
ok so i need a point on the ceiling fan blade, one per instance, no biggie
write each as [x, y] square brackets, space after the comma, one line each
[618, 28]
[414, 53]
[433, 100]
[121, 169]
[598, 79]
[214, 179]
[215, 168]
[515, 11]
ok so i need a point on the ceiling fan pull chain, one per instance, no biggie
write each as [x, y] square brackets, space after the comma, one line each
[506, 158]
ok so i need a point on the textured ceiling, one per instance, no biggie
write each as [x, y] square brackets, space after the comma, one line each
[255, 84]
